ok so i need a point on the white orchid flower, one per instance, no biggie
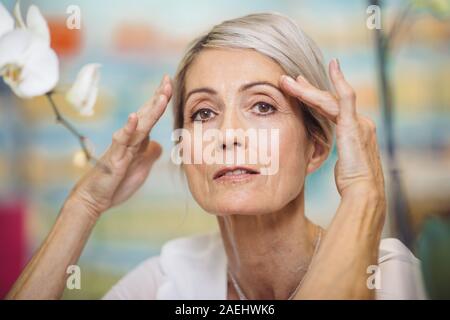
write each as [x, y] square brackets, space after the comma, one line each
[27, 62]
[6, 21]
[35, 22]
[83, 93]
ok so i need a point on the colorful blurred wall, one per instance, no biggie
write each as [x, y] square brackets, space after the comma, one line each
[137, 41]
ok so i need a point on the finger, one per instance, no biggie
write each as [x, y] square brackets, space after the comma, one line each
[143, 145]
[375, 152]
[322, 101]
[368, 136]
[345, 93]
[164, 87]
[146, 158]
[151, 113]
[369, 129]
[378, 164]
[152, 110]
[123, 137]
[167, 87]
[153, 151]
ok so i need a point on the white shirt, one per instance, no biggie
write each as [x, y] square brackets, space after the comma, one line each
[195, 268]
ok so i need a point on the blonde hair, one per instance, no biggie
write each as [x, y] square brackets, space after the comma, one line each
[275, 36]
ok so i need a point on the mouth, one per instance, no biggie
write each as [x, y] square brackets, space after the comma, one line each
[234, 173]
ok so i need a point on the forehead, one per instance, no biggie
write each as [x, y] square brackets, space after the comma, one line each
[224, 69]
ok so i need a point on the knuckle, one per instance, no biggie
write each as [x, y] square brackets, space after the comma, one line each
[141, 131]
[298, 94]
[328, 98]
[348, 93]
[117, 136]
[162, 98]
[370, 124]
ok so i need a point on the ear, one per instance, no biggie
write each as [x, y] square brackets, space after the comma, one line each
[317, 156]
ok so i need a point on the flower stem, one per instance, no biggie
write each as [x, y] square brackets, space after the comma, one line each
[81, 138]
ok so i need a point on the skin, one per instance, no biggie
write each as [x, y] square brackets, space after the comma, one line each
[267, 211]
[230, 107]
[265, 232]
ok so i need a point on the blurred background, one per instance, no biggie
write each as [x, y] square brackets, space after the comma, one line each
[136, 42]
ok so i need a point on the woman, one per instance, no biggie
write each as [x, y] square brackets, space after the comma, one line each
[256, 72]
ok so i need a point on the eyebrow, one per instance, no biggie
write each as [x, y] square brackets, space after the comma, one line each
[242, 88]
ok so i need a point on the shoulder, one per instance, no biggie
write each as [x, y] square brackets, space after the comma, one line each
[399, 274]
[139, 283]
[178, 272]
[194, 268]
[192, 245]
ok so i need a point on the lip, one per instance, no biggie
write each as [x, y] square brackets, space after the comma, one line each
[220, 175]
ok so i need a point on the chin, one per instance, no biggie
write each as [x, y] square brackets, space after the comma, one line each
[239, 205]
[236, 198]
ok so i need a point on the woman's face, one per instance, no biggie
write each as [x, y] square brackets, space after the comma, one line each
[239, 89]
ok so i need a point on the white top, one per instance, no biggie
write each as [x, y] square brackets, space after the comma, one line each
[195, 268]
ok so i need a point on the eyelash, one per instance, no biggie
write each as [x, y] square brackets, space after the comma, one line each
[263, 114]
[194, 115]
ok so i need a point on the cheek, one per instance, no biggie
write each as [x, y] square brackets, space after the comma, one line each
[197, 178]
[195, 174]
[293, 151]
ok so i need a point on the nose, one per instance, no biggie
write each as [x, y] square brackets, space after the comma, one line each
[232, 131]
[227, 145]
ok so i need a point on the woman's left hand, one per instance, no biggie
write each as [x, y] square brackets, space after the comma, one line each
[358, 170]
[360, 182]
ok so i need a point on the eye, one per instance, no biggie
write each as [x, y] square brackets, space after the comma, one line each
[263, 108]
[203, 115]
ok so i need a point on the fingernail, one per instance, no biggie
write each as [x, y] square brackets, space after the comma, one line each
[289, 80]
[167, 79]
[338, 65]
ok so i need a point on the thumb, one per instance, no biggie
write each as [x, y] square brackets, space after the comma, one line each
[153, 151]
[336, 177]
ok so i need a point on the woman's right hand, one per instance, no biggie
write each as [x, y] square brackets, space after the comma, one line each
[125, 165]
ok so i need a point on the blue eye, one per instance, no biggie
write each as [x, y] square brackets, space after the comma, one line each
[203, 115]
[263, 108]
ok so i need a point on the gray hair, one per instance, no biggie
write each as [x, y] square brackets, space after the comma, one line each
[275, 36]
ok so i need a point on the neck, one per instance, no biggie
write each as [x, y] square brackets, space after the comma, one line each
[269, 254]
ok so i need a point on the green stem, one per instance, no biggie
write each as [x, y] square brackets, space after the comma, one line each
[81, 138]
